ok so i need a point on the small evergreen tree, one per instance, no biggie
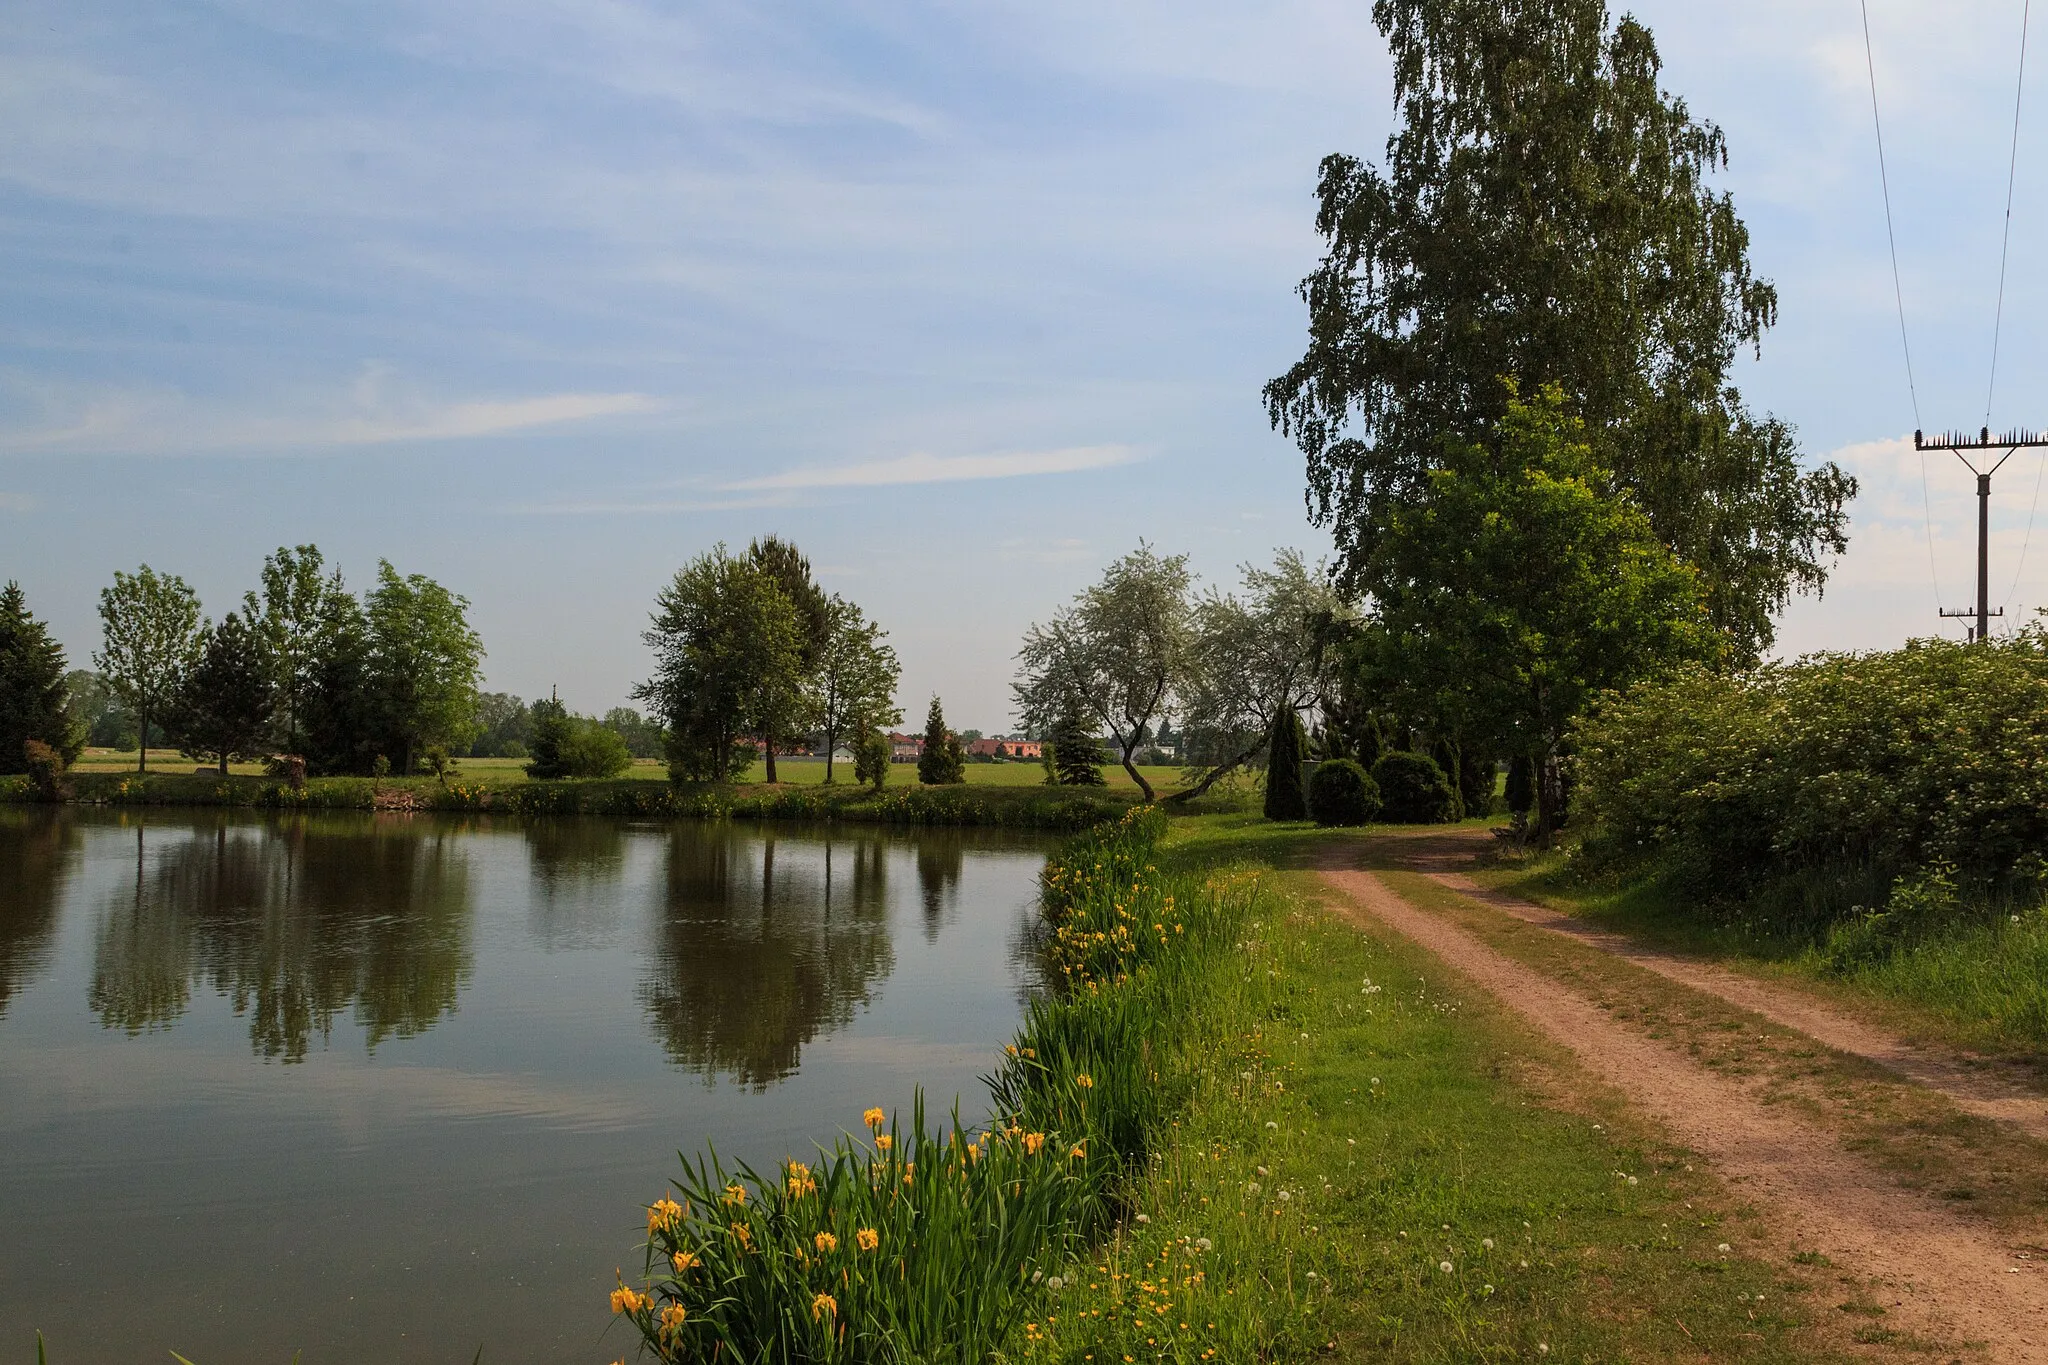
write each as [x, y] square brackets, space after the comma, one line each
[33, 695]
[1077, 756]
[943, 762]
[1475, 776]
[1285, 797]
[1445, 753]
[1521, 792]
[225, 701]
[551, 732]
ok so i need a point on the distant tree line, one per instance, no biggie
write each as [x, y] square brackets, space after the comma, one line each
[381, 682]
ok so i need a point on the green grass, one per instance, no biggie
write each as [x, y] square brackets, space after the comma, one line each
[1316, 1123]
[1978, 979]
[797, 772]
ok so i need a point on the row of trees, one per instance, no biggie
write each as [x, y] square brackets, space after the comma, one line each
[381, 682]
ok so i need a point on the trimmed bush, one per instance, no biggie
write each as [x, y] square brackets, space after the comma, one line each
[1342, 793]
[1413, 789]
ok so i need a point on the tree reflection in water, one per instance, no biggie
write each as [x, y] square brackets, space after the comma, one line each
[763, 942]
[940, 857]
[36, 849]
[294, 922]
[575, 866]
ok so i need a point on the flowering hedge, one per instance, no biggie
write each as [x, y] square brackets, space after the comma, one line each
[921, 1243]
[1887, 765]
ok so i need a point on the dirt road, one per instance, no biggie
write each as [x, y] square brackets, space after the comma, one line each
[1940, 1277]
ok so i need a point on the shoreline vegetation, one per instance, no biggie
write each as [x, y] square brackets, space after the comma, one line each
[1020, 807]
[1209, 1141]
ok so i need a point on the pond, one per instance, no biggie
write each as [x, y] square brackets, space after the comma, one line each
[393, 1088]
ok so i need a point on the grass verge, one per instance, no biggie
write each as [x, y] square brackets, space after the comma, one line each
[1301, 1143]
[1974, 977]
[1040, 807]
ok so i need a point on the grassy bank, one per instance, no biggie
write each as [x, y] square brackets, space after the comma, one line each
[1298, 1141]
[1971, 969]
[1018, 807]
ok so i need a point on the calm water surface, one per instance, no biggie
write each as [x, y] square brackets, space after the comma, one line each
[390, 1088]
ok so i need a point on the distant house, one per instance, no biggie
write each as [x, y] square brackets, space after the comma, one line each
[905, 748]
[1004, 746]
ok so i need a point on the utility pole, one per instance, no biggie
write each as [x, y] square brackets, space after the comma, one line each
[1960, 442]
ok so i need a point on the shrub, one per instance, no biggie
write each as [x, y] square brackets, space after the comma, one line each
[1342, 793]
[594, 750]
[45, 768]
[1285, 799]
[872, 755]
[1830, 774]
[1413, 789]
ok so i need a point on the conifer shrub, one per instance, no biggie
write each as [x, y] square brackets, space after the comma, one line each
[942, 763]
[1285, 797]
[552, 729]
[1521, 785]
[1413, 789]
[1075, 756]
[1342, 793]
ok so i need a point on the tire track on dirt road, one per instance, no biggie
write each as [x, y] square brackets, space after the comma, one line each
[1971, 1090]
[1942, 1277]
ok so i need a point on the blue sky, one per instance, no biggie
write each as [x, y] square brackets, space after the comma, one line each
[542, 298]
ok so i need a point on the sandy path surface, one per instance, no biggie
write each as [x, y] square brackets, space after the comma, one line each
[1976, 1089]
[1936, 1275]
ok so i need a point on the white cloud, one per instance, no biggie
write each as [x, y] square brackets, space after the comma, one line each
[16, 502]
[924, 468]
[376, 410]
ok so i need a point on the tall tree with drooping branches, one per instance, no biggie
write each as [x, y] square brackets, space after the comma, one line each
[1544, 214]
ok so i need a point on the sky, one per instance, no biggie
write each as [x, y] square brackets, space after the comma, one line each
[542, 298]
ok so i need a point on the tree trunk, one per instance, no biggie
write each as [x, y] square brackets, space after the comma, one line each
[1136, 776]
[1549, 796]
[1215, 775]
[142, 739]
[223, 762]
[768, 748]
[831, 743]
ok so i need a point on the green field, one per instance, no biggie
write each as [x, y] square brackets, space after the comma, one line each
[796, 772]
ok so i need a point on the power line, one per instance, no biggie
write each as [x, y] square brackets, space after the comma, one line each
[1899, 298]
[2013, 591]
[1884, 180]
[2011, 169]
